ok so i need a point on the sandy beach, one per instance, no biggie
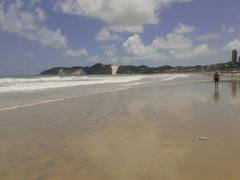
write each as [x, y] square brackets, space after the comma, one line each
[147, 132]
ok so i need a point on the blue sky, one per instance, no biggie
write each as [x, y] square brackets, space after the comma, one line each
[40, 34]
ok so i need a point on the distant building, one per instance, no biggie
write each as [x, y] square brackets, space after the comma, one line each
[239, 59]
[234, 56]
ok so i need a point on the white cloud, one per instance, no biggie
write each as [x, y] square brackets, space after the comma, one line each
[76, 53]
[234, 44]
[29, 25]
[40, 14]
[183, 29]
[208, 37]
[119, 15]
[106, 35]
[173, 41]
[176, 45]
[35, 2]
[201, 50]
[135, 48]
[228, 29]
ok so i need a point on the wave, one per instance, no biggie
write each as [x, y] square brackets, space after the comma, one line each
[43, 83]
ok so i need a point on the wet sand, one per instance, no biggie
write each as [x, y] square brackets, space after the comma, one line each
[143, 133]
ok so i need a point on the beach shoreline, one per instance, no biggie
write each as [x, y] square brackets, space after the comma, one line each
[192, 78]
[148, 131]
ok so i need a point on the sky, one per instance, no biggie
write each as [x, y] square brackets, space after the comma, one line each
[40, 34]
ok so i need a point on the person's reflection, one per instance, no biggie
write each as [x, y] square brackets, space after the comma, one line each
[234, 88]
[216, 95]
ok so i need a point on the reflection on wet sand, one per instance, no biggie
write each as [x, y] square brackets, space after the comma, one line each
[216, 95]
[234, 88]
[144, 133]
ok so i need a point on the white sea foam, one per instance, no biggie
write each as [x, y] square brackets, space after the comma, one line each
[43, 83]
[54, 100]
[167, 77]
[21, 92]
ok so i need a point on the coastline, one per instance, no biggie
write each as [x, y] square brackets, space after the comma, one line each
[54, 100]
[20, 92]
[192, 78]
[144, 132]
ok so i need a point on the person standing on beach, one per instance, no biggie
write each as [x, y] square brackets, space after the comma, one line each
[216, 78]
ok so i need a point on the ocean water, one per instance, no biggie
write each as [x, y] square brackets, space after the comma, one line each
[25, 91]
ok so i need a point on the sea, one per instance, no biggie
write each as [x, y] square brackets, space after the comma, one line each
[21, 91]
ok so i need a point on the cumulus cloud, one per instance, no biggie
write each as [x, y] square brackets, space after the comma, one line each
[183, 29]
[228, 29]
[234, 44]
[35, 2]
[176, 45]
[106, 35]
[76, 53]
[208, 37]
[40, 14]
[29, 25]
[134, 47]
[119, 15]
